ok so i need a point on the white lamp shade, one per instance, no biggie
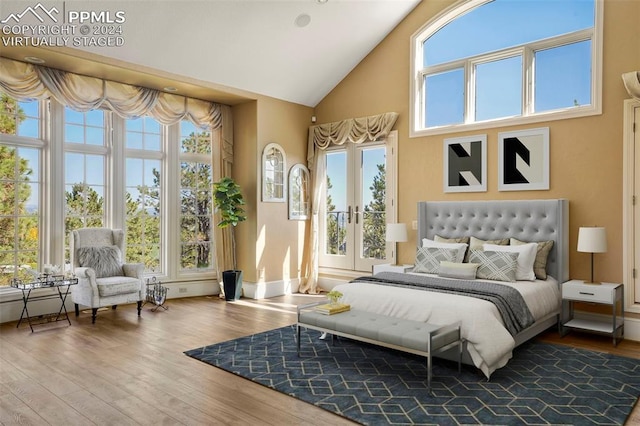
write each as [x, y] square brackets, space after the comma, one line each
[592, 240]
[396, 232]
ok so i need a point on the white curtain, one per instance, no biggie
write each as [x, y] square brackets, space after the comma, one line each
[355, 130]
[25, 81]
[631, 82]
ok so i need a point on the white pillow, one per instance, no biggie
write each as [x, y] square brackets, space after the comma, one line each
[461, 247]
[526, 258]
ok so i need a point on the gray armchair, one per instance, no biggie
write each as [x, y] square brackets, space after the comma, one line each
[103, 278]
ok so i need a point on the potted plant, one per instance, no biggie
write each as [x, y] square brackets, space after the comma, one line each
[228, 201]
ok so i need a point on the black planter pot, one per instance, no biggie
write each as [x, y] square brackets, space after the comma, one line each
[232, 283]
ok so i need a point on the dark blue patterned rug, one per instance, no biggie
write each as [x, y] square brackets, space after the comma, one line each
[543, 384]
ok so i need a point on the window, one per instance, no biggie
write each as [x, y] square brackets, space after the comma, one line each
[21, 188]
[150, 179]
[482, 64]
[357, 204]
[196, 199]
[274, 164]
[298, 193]
[84, 170]
[144, 188]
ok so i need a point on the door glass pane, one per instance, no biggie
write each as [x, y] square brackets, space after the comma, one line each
[444, 98]
[336, 204]
[563, 76]
[499, 89]
[373, 190]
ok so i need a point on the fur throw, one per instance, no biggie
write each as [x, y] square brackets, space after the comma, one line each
[105, 260]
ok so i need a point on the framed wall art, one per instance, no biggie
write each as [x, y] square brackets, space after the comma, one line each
[523, 160]
[465, 164]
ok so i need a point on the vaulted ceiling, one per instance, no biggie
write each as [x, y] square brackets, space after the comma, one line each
[295, 50]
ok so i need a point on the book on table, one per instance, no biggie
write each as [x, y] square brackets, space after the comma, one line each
[332, 308]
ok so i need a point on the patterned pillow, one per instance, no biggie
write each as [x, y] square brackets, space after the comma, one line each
[495, 265]
[104, 260]
[461, 247]
[477, 243]
[428, 258]
[463, 271]
[540, 264]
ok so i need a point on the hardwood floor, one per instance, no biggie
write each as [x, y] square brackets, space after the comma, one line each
[129, 371]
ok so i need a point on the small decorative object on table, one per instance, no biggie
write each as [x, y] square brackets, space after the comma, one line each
[334, 307]
[156, 294]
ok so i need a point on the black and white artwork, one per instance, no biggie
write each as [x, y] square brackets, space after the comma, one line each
[465, 164]
[523, 160]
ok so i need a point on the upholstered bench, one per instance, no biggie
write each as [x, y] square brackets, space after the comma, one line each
[414, 337]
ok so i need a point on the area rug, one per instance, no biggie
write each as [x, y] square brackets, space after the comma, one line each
[544, 384]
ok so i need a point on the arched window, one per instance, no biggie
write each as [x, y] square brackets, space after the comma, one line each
[274, 166]
[490, 63]
[298, 192]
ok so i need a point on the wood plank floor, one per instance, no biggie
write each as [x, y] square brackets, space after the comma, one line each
[129, 371]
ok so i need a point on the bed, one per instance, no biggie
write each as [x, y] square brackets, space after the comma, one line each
[489, 335]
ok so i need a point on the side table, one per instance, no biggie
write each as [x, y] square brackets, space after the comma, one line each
[605, 294]
[59, 282]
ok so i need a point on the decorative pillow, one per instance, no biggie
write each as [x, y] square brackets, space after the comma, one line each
[477, 243]
[495, 265]
[439, 239]
[526, 257]
[428, 258]
[540, 264]
[105, 260]
[464, 271]
[461, 247]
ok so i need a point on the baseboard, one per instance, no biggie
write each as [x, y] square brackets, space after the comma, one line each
[11, 300]
[265, 290]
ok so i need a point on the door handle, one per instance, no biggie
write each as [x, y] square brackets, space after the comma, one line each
[349, 215]
[357, 213]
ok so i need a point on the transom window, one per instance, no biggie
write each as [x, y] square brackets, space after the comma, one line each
[487, 62]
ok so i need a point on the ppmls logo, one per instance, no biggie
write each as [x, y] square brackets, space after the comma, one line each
[38, 11]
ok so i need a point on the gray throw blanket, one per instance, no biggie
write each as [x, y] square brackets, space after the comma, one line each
[510, 303]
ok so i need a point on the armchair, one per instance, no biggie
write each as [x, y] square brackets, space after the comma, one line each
[103, 279]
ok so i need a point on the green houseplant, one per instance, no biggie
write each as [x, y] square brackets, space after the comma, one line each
[228, 202]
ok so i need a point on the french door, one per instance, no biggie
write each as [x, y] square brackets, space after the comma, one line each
[636, 207]
[358, 202]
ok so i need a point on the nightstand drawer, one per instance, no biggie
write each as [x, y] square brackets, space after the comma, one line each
[588, 293]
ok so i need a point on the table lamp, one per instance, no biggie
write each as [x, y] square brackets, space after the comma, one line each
[592, 240]
[396, 233]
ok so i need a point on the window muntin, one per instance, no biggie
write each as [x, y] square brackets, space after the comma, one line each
[20, 189]
[196, 202]
[87, 128]
[442, 46]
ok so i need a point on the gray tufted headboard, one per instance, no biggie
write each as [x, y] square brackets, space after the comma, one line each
[528, 220]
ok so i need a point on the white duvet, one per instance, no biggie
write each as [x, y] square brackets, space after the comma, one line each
[489, 343]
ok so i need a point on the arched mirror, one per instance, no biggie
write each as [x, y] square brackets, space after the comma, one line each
[299, 192]
[274, 166]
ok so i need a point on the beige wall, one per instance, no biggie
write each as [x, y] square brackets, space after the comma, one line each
[269, 244]
[585, 153]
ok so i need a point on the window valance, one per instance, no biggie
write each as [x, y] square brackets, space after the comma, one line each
[28, 81]
[354, 130]
[632, 83]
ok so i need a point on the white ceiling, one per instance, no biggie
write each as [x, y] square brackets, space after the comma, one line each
[254, 45]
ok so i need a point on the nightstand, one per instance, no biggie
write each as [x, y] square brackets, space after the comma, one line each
[387, 267]
[604, 294]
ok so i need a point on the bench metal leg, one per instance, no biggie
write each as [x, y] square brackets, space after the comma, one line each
[298, 338]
